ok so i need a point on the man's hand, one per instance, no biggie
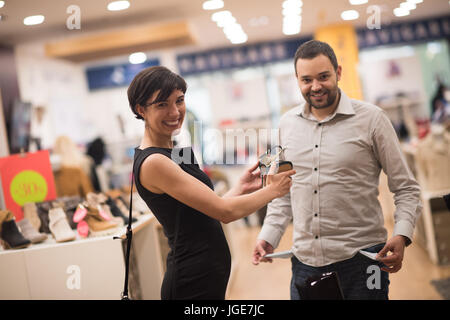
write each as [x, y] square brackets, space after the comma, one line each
[262, 248]
[396, 245]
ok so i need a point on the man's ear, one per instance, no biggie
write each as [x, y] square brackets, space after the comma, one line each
[339, 72]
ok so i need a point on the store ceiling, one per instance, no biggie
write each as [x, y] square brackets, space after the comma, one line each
[251, 14]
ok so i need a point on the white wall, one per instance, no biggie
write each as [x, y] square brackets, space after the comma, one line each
[61, 86]
[376, 71]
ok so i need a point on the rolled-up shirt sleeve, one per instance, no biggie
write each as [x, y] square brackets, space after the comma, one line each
[278, 217]
[401, 181]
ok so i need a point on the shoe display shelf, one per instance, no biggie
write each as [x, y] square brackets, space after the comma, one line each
[86, 268]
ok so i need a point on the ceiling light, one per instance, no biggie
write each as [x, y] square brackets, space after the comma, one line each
[221, 15]
[408, 5]
[239, 39]
[212, 4]
[291, 29]
[350, 15]
[225, 22]
[2, 4]
[137, 57]
[292, 4]
[118, 5]
[401, 12]
[292, 11]
[291, 25]
[33, 20]
[356, 2]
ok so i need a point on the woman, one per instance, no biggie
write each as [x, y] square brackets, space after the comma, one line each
[181, 195]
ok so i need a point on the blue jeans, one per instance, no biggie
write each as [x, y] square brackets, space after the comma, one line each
[359, 277]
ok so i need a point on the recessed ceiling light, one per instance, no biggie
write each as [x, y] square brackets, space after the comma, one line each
[212, 4]
[400, 12]
[118, 5]
[137, 57]
[356, 2]
[408, 5]
[292, 4]
[350, 15]
[33, 20]
[2, 4]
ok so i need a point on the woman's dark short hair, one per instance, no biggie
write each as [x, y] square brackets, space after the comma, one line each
[313, 48]
[149, 81]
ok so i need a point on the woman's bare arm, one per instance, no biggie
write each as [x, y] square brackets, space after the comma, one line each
[160, 174]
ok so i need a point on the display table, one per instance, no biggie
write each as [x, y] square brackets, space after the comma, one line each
[91, 268]
[433, 226]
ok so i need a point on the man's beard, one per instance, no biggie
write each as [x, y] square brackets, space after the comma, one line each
[331, 98]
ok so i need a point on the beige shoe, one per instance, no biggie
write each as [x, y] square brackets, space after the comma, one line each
[30, 212]
[59, 226]
[29, 232]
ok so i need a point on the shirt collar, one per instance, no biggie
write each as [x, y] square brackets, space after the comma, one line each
[344, 107]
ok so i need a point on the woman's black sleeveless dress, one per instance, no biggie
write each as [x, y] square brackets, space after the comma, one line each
[199, 262]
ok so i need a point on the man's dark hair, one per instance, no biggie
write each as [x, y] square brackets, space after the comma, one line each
[149, 81]
[313, 48]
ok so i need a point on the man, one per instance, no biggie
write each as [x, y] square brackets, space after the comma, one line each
[338, 147]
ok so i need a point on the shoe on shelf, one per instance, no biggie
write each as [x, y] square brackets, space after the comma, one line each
[125, 208]
[5, 215]
[98, 226]
[29, 231]
[105, 211]
[116, 212]
[30, 211]
[83, 229]
[59, 226]
[43, 209]
[10, 236]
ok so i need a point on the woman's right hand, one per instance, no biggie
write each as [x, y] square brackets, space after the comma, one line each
[280, 182]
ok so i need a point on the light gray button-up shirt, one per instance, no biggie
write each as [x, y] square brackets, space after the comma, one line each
[334, 196]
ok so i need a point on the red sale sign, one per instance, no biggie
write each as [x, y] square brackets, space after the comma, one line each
[26, 178]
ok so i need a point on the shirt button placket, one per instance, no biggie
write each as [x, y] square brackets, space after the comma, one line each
[315, 186]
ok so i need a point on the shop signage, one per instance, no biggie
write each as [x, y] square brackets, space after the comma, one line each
[26, 178]
[262, 53]
[237, 57]
[407, 32]
[118, 75]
